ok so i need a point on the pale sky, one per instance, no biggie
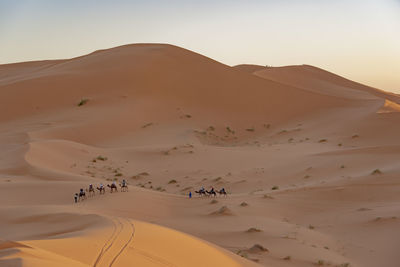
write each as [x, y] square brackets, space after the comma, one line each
[358, 39]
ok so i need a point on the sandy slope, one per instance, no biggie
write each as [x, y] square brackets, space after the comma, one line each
[310, 161]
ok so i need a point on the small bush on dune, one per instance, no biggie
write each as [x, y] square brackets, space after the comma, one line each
[242, 254]
[322, 141]
[287, 258]
[83, 102]
[160, 189]
[101, 158]
[275, 187]
[257, 248]
[376, 171]
[230, 130]
[253, 230]
[173, 181]
[147, 125]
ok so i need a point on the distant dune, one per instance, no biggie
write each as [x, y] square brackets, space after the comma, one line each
[309, 161]
[249, 68]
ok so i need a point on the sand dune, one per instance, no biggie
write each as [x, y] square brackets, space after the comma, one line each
[313, 156]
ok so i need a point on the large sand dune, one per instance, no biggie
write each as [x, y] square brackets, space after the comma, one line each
[309, 160]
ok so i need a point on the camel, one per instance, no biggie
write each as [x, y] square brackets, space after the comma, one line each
[102, 190]
[82, 195]
[90, 191]
[211, 192]
[112, 187]
[124, 187]
[222, 192]
[201, 192]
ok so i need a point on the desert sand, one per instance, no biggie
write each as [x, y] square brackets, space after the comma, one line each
[310, 161]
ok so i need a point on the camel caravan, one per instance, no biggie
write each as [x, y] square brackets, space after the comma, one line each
[203, 192]
[90, 192]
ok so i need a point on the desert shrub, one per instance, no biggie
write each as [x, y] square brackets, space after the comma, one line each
[376, 171]
[242, 254]
[101, 158]
[173, 181]
[230, 130]
[147, 125]
[275, 187]
[253, 230]
[83, 102]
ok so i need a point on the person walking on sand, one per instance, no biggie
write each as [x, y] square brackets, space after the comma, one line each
[190, 194]
[76, 197]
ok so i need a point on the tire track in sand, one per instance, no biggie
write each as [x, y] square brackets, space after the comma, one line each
[109, 242]
[125, 245]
